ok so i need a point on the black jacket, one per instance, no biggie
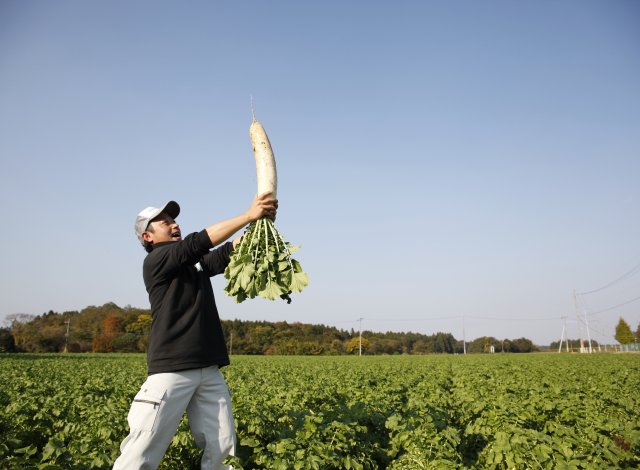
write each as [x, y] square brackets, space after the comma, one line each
[185, 330]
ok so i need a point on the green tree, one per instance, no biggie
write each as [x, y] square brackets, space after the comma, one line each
[44, 333]
[483, 345]
[624, 335]
[127, 342]
[7, 344]
[444, 343]
[384, 346]
[420, 347]
[522, 345]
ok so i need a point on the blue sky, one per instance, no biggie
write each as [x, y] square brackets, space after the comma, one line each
[442, 163]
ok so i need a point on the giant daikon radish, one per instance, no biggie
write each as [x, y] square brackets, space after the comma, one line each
[261, 264]
[265, 160]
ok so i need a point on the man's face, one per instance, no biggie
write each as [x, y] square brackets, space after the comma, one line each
[162, 229]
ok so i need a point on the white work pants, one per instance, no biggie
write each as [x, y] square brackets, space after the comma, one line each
[158, 407]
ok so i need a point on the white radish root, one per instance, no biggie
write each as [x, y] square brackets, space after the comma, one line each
[266, 172]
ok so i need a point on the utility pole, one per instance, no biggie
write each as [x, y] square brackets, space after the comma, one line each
[564, 328]
[464, 338]
[66, 336]
[586, 322]
[360, 349]
[230, 343]
[575, 303]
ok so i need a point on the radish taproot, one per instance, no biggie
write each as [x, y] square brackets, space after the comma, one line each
[261, 264]
[265, 160]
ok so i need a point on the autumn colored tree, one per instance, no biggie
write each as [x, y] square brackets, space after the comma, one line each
[353, 345]
[140, 329]
[141, 326]
[109, 332]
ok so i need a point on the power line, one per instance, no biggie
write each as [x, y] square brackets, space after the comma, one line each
[629, 273]
[458, 317]
[415, 319]
[600, 332]
[515, 318]
[614, 307]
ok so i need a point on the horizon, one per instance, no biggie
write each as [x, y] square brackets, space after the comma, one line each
[350, 331]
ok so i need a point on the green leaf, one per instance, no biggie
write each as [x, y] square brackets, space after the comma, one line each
[246, 275]
[240, 297]
[296, 266]
[29, 450]
[271, 291]
[292, 249]
[250, 442]
[298, 282]
[260, 281]
[284, 266]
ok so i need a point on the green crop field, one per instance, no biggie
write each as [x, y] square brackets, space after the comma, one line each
[396, 412]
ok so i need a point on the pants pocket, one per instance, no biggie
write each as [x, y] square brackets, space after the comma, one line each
[144, 409]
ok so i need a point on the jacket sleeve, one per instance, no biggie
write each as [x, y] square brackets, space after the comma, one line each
[217, 260]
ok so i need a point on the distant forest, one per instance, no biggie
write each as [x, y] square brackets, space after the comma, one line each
[110, 328]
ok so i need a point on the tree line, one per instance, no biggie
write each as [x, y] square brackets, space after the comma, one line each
[110, 328]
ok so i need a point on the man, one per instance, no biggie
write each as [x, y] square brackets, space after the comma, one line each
[186, 345]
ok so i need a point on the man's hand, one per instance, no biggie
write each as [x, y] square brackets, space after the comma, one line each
[263, 205]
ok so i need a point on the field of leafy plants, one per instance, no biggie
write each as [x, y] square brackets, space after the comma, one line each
[396, 412]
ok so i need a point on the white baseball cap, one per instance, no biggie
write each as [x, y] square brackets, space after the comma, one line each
[147, 215]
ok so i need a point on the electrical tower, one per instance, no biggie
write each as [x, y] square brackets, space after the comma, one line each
[564, 335]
